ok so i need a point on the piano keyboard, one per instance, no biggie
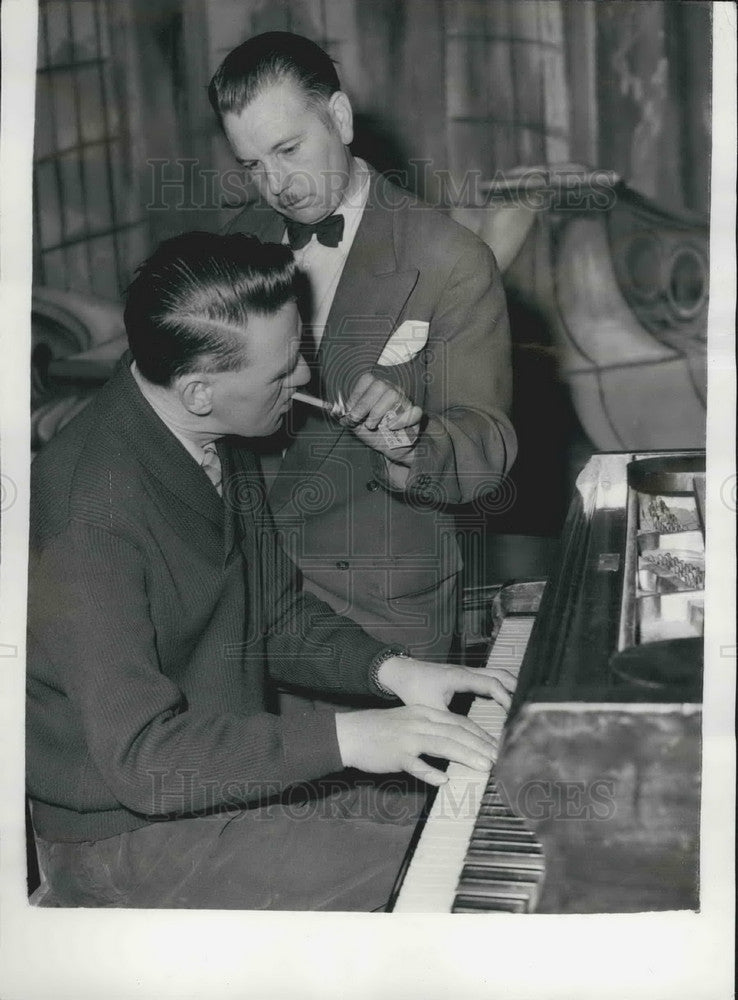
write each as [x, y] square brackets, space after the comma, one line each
[473, 854]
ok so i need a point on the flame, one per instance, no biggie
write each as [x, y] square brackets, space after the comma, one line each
[339, 407]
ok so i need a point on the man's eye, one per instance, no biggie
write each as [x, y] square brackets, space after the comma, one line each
[289, 150]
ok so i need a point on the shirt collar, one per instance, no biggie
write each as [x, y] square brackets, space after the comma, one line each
[354, 201]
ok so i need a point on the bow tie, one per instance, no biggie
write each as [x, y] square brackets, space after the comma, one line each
[329, 232]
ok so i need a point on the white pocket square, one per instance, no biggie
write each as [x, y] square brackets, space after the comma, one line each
[409, 338]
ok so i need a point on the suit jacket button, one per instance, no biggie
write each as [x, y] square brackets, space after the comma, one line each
[372, 485]
[342, 564]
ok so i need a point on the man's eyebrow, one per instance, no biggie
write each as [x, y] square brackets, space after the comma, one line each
[287, 141]
[274, 149]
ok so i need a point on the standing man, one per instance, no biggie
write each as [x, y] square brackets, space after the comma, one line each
[162, 611]
[407, 327]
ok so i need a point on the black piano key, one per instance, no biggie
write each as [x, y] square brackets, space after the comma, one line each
[468, 904]
[492, 798]
[491, 787]
[501, 807]
[505, 859]
[486, 822]
[519, 836]
[480, 873]
[514, 846]
[485, 810]
[496, 889]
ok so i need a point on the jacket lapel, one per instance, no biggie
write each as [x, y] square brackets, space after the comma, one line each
[369, 299]
[180, 489]
[233, 489]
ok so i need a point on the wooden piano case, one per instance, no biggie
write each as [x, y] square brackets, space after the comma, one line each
[601, 750]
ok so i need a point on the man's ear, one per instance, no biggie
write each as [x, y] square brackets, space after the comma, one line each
[342, 115]
[196, 394]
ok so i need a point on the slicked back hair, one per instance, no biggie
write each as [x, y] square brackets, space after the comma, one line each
[269, 59]
[188, 307]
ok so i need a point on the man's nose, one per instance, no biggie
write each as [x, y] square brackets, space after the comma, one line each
[302, 372]
[275, 182]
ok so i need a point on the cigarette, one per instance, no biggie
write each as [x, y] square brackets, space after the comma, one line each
[394, 439]
[320, 404]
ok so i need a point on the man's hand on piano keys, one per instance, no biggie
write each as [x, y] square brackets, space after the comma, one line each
[386, 740]
[392, 739]
[418, 682]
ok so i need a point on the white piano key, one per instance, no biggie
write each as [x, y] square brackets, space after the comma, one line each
[432, 877]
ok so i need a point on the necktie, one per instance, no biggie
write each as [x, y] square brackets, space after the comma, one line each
[211, 465]
[329, 232]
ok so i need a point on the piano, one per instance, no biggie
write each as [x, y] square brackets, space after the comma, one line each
[593, 805]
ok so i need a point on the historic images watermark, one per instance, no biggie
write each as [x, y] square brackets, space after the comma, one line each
[386, 800]
[729, 493]
[187, 184]
[8, 492]
[184, 792]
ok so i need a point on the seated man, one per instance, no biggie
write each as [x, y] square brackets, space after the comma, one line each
[162, 611]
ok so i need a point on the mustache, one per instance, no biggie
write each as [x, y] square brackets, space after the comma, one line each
[290, 199]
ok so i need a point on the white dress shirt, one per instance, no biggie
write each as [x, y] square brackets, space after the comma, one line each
[324, 265]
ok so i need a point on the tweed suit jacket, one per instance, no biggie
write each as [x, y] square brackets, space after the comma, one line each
[159, 615]
[374, 552]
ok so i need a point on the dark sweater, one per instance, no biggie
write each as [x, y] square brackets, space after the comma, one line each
[155, 611]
